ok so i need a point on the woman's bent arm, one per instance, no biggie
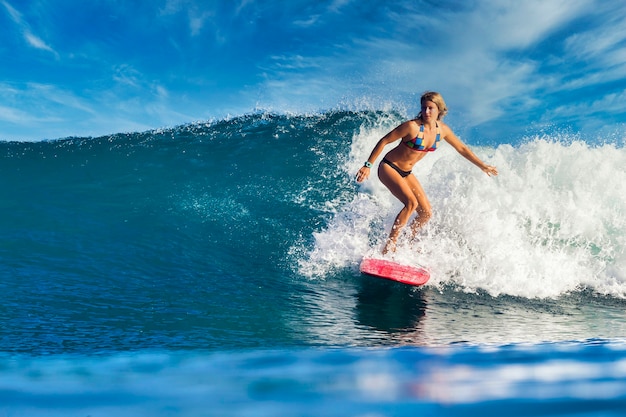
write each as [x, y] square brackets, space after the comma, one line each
[397, 133]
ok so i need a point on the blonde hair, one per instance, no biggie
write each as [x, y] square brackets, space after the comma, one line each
[438, 100]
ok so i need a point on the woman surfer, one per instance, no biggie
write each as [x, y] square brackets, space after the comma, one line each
[418, 137]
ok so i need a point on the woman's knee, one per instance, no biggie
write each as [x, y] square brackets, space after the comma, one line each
[411, 205]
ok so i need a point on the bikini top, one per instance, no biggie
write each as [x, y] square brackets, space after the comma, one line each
[417, 143]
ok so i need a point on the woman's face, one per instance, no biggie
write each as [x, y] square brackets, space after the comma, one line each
[430, 111]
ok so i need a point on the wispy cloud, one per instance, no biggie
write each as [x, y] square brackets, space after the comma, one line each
[43, 111]
[500, 65]
[599, 51]
[30, 38]
[310, 21]
[35, 111]
[508, 25]
[13, 13]
[20, 117]
[198, 14]
[45, 102]
[336, 5]
[46, 93]
[485, 57]
[36, 42]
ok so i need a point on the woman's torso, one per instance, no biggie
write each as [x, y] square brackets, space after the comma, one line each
[406, 157]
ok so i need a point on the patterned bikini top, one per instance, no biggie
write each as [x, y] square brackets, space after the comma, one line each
[417, 143]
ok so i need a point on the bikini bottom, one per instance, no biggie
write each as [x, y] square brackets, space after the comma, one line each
[402, 173]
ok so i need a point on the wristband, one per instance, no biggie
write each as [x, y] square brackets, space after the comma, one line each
[367, 164]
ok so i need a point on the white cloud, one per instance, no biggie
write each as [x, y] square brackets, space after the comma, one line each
[198, 14]
[593, 58]
[30, 38]
[519, 24]
[601, 47]
[484, 57]
[16, 116]
[36, 42]
[173, 6]
[51, 94]
[295, 62]
[14, 14]
[337, 5]
[126, 75]
[43, 111]
[39, 103]
[242, 5]
[311, 20]
[197, 21]
[609, 103]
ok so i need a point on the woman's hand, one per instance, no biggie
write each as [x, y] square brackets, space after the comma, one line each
[490, 170]
[363, 174]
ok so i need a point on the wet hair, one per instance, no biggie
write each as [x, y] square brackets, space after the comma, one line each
[438, 100]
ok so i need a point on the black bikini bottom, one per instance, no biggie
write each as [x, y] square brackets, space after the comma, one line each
[402, 173]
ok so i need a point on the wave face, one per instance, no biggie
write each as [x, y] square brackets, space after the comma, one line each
[248, 232]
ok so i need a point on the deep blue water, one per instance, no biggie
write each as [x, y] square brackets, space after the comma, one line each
[212, 269]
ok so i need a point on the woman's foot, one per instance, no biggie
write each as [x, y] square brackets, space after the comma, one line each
[390, 246]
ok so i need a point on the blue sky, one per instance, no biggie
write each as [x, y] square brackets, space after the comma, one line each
[505, 67]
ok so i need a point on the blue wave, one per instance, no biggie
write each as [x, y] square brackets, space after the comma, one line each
[247, 232]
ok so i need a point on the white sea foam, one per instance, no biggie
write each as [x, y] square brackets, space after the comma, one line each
[552, 222]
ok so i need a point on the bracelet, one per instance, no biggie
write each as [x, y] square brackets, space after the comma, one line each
[367, 164]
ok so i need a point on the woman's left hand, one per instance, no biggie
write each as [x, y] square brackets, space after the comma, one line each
[490, 170]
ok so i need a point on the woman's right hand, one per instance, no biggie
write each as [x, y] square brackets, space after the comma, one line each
[362, 174]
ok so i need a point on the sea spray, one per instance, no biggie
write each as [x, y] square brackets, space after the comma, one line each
[552, 222]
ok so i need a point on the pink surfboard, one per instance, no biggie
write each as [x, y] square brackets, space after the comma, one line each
[406, 274]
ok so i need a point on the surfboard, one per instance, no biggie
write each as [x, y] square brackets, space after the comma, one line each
[406, 274]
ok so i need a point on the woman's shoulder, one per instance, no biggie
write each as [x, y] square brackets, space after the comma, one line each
[412, 125]
[412, 122]
[407, 127]
[444, 127]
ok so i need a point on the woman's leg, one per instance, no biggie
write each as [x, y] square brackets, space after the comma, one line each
[402, 189]
[423, 210]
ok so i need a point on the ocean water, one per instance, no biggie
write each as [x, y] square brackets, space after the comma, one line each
[212, 269]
